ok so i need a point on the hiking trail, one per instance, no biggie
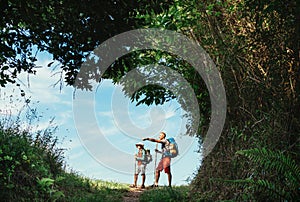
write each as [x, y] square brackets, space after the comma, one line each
[133, 195]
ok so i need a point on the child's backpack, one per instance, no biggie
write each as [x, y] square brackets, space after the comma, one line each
[172, 148]
[148, 157]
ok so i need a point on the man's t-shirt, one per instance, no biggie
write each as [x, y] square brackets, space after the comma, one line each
[164, 147]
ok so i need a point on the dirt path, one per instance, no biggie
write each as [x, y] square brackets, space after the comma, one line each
[133, 195]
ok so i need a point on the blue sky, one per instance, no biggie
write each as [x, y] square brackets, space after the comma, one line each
[101, 145]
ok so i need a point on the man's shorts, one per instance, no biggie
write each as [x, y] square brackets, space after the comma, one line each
[164, 164]
[140, 169]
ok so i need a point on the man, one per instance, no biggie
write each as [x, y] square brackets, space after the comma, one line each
[165, 162]
[141, 165]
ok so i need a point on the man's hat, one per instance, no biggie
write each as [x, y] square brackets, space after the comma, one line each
[139, 143]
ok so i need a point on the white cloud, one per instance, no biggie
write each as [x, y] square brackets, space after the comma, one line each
[106, 114]
[107, 131]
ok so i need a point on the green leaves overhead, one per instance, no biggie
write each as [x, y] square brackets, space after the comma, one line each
[67, 29]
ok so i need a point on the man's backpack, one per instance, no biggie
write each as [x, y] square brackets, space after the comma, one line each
[172, 148]
[148, 157]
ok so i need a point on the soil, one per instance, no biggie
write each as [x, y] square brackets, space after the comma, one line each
[133, 195]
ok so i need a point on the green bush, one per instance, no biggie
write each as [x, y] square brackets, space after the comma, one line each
[32, 165]
[25, 159]
[274, 177]
[31, 169]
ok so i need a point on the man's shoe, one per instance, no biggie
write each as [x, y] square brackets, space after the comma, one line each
[154, 185]
[132, 186]
[143, 187]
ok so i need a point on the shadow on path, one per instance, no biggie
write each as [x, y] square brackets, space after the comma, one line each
[133, 195]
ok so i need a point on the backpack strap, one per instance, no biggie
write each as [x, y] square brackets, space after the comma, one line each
[143, 157]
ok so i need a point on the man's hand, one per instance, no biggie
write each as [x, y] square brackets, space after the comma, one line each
[145, 138]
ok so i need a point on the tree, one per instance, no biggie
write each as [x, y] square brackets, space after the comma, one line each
[68, 29]
[256, 48]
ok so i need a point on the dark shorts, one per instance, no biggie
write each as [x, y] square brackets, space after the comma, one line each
[164, 164]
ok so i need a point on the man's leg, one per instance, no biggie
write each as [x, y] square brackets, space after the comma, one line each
[157, 175]
[169, 178]
[159, 168]
[167, 168]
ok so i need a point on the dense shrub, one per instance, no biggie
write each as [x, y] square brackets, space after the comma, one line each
[32, 166]
[26, 160]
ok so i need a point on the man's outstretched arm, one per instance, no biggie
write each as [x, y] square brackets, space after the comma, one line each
[152, 140]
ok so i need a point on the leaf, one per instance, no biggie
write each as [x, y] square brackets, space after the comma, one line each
[49, 65]
[5, 68]
[46, 182]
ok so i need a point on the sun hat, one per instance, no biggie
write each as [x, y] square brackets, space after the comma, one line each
[139, 143]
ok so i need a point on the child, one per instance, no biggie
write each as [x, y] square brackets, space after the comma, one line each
[141, 165]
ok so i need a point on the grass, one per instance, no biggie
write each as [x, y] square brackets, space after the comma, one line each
[174, 194]
[76, 188]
